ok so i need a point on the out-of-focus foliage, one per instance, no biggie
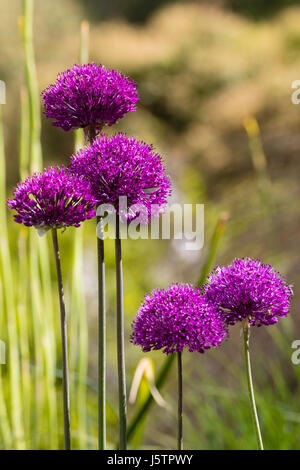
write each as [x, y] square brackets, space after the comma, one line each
[203, 72]
[200, 71]
[137, 11]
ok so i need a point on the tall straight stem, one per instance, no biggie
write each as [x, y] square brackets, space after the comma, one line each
[120, 338]
[101, 338]
[179, 435]
[90, 134]
[246, 330]
[64, 340]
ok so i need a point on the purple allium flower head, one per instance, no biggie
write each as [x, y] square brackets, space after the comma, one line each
[247, 288]
[53, 198]
[121, 166]
[177, 317]
[89, 95]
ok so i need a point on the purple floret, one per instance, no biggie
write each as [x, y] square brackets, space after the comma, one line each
[89, 95]
[121, 166]
[54, 199]
[177, 317]
[247, 288]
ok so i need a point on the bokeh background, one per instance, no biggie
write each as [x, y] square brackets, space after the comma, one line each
[215, 99]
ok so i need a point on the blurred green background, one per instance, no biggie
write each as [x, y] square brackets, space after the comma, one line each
[215, 99]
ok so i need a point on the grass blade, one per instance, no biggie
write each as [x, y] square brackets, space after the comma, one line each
[79, 326]
[10, 307]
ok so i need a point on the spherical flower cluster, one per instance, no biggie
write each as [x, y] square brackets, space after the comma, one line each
[53, 198]
[247, 288]
[89, 95]
[121, 166]
[177, 317]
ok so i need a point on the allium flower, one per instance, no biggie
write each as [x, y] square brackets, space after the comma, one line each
[122, 166]
[247, 288]
[177, 317]
[53, 199]
[89, 95]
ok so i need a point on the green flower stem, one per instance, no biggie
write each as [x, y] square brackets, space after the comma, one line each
[120, 338]
[246, 331]
[66, 393]
[179, 436]
[101, 337]
[90, 134]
